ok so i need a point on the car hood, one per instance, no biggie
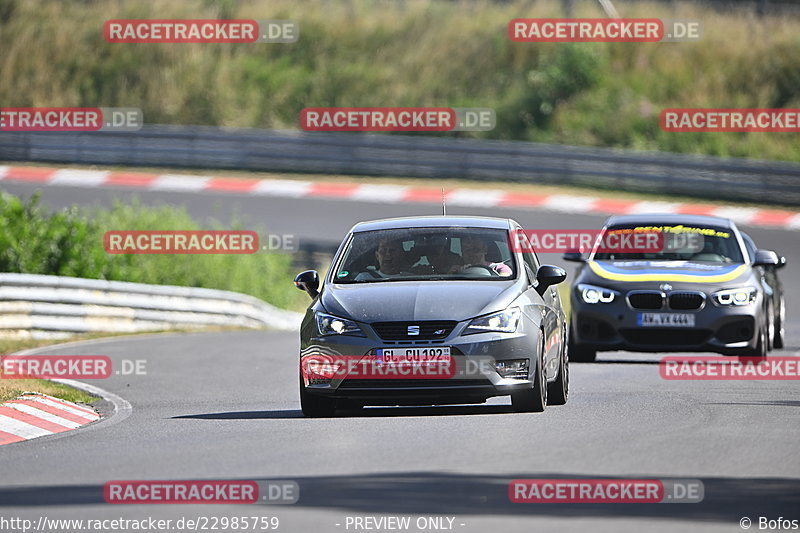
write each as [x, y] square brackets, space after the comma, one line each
[428, 300]
[679, 274]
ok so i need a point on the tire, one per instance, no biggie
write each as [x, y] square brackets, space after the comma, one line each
[315, 406]
[579, 353]
[558, 391]
[777, 342]
[771, 327]
[533, 400]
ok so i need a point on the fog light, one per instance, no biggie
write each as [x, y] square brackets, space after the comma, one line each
[321, 372]
[512, 368]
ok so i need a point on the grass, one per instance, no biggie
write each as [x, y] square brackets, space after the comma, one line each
[563, 292]
[12, 388]
[414, 53]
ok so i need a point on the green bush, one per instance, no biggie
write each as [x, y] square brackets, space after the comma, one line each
[70, 243]
[35, 242]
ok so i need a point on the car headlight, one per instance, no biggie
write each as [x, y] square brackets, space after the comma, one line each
[743, 296]
[505, 322]
[593, 295]
[333, 325]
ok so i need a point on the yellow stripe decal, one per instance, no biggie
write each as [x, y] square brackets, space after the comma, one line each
[667, 276]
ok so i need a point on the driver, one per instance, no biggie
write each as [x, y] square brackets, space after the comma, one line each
[392, 259]
[474, 250]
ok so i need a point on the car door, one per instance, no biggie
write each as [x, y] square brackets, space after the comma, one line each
[553, 319]
[770, 283]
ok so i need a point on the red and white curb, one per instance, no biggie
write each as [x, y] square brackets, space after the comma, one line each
[36, 415]
[464, 197]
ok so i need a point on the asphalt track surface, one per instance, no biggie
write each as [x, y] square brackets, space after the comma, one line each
[225, 406]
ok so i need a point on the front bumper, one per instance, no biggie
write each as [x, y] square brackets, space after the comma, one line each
[615, 326]
[475, 379]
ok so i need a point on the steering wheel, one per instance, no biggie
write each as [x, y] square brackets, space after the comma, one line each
[489, 270]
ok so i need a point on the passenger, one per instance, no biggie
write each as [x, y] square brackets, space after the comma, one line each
[473, 252]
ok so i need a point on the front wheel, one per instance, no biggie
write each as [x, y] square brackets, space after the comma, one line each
[770, 327]
[533, 400]
[558, 391]
[777, 342]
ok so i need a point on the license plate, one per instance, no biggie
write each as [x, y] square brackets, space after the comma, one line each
[427, 354]
[671, 320]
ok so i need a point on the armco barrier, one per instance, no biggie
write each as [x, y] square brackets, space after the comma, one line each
[413, 156]
[54, 306]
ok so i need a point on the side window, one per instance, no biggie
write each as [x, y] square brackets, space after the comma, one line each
[750, 245]
[530, 259]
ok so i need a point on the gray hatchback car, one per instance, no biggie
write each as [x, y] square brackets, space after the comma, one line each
[430, 311]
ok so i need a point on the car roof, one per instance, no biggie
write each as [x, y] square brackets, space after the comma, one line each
[663, 218]
[432, 222]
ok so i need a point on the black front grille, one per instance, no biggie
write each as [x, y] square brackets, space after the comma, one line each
[646, 300]
[428, 330]
[666, 336]
[686, 300]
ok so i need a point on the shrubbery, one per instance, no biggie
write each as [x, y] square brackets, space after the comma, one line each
[34, 240]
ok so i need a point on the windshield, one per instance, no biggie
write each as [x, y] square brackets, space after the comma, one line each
[681, 243]
[426, 254]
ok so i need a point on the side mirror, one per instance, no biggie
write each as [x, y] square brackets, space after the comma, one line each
[575, 256]
[549, 275]
[766, 258]
[308, 281]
